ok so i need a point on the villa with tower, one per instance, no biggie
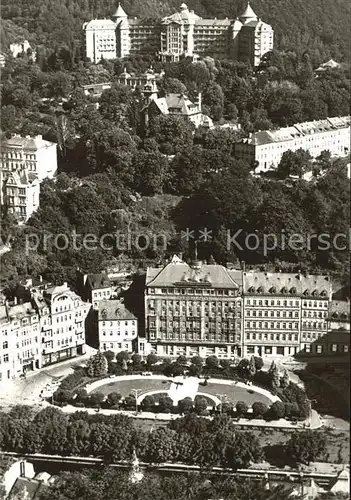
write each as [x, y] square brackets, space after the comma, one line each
[181, 34]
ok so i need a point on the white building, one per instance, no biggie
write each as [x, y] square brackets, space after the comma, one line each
[183, 33]
[264, 150]
[62, 318]
[24, 163]
[47, 327]
[117, 327]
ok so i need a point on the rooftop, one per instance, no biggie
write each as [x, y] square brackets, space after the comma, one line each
[266, 283]
[180, 273]
[114, 310]
[298, 130]
[98, 280]
[31, 143]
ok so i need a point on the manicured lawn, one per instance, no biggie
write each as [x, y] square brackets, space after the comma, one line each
[235, 393]
[125, 387]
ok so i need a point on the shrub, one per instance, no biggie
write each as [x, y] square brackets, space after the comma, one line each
[165, 404]
[151, 359]
[258, 363]
[97, 365]
[181, 360]
[194, 370]
[113, 398]
[241, 408]
[109, 355]
[148, 403]
[276, 411]
[122, 356]
[200, 405]
[96, 398]
[129, 402]
[212, 362]
[197, 361]
[259, 409]
[81, 395]
[185, 405]
[136, 358]
[62, 396]
[79, 404]
[73, 380]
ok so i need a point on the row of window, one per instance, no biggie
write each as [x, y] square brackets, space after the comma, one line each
[275, 325]
[193, 291]
[118, 323]
[111, 333]
[272, 314]
[273, 337]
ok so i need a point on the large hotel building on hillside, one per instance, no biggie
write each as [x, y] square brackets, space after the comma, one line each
[203, 309]
[184, 33]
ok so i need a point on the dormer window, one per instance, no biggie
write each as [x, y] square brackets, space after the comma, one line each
[260, 289]
[293, 291]
[284, 290]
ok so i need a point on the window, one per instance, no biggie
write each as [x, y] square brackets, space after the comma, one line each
[5, 345]
[334, 347]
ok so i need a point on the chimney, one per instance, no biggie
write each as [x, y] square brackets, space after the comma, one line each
[15, 301]
[244, 266]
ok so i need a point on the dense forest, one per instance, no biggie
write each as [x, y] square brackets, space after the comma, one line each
[320, 26]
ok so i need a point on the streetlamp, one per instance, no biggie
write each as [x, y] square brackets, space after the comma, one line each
[135, 392]
[221, 397]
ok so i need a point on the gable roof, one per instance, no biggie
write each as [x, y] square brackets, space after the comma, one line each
[288, 284]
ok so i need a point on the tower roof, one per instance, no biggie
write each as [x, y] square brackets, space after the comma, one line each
[120, 12]
[248, 14]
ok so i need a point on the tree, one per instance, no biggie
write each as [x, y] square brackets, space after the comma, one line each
[62, 396]
[276, 410]
[294, 163]
[273, 374]
[96, 365]
[96, 398]
[258, 363]
[241, 408]
[172, 133]
[148, 403]
[173, 86]
[151, 359]
[213, 99]
[212, 362]
[136, 359]
[181, 360]
[200, 405]
[165, 404]
[259, 409]
[285, 379]
[151, 172]
[109, 355]
[306, 446]
[324, 160]
[113, 398]
[185, 405]
[161, 445]
[197, 361]
[252, 367]
[122, 356]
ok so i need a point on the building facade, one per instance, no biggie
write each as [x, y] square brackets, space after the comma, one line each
[193, 310]
[24, 163]
[181, 34]
[264, 150]
[284, 313]
[47, 327]
[117, 327]
[204, 309]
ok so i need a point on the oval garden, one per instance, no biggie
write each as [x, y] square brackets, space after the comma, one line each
[201, 386]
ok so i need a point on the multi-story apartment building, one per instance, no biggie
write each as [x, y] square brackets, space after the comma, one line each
[19, 339]
[183, 33]
[117, 327]
[95, 287]
[24, 163]
[45, 327]
[193, 309]
[62, 319]
[283, 313]
[264, 150]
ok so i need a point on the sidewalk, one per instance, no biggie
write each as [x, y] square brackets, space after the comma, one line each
[166, 417]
